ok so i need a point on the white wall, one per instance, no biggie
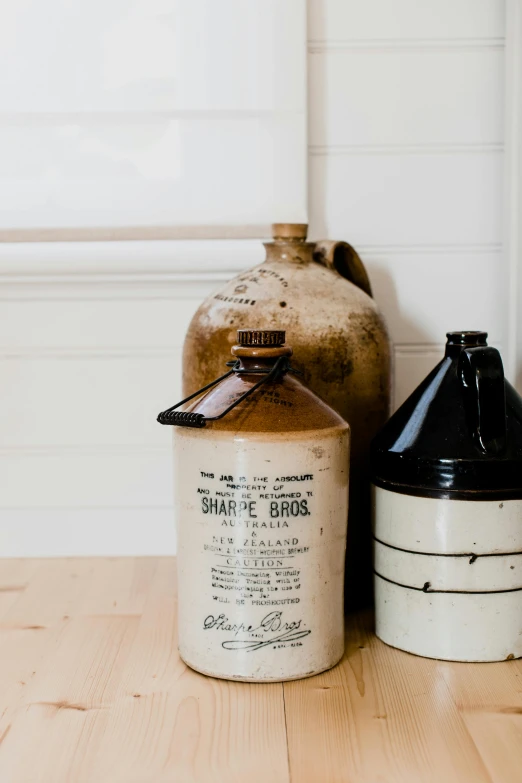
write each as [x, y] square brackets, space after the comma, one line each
[90, 353]
[406, 109]
[405, 127]
[129, 120]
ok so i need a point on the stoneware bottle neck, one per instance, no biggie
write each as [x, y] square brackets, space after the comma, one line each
[290, 251]
[259, 357]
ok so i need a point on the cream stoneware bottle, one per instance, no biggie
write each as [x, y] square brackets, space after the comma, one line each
[261, 481]
[447, 474]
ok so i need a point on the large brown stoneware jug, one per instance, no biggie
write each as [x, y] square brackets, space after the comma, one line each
[320, 293]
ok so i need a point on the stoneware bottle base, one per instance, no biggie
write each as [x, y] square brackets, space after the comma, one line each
[218, 676]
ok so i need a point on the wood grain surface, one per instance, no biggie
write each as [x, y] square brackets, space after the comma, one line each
[92, 690]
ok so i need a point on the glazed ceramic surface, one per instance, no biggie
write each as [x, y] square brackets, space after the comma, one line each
[448, 576]
[321, 295]
[447, 516]
[262, 503]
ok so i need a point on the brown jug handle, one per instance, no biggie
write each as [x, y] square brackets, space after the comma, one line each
[343, 259]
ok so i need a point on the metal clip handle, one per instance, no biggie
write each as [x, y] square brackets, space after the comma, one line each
[182, 418]
[192, 419]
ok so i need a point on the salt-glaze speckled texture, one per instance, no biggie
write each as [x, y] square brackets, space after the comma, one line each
[262, 503]
[340, 343]
[281, 407]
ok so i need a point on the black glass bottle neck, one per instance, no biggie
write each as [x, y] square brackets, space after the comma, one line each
[457, 341]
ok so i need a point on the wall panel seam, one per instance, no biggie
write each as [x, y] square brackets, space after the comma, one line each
[405, 149]
[40, 265]
[399, 45]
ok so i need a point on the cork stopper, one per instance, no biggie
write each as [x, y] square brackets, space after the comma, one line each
[266, 337]
[290, 231]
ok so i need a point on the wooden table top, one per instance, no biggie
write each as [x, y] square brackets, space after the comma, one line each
[92, 690]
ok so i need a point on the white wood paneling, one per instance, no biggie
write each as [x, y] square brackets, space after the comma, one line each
[403, 199]
[415, 21]
[155, 113]
[406, 131]
[121, 270]
[61, 532]
[86, 479]
[90, 352]
[412, 365]
[126, 391]
[423, 295]
[398, 97]
[513, 186]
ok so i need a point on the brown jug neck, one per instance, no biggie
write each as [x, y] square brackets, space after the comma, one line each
[290, 251]
[259, 357]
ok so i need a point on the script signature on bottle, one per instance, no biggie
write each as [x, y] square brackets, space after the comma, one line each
[271, 623]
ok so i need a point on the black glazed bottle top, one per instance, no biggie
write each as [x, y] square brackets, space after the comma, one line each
[467, 339]
[458, 340]
[459, 435]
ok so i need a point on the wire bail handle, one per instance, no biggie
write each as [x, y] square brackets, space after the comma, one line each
[193, 419]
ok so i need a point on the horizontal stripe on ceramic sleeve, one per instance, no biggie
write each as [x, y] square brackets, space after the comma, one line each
[468, 572]
[447, 526]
